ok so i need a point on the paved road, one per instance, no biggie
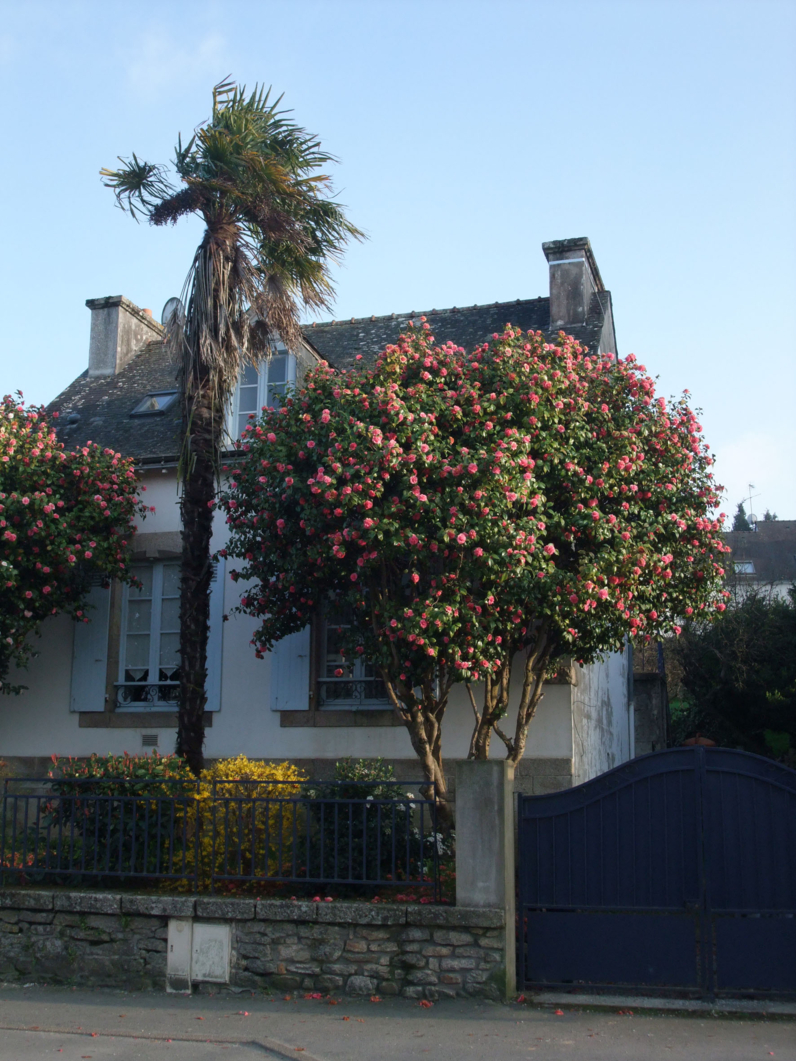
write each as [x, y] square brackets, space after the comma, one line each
[43, 1023]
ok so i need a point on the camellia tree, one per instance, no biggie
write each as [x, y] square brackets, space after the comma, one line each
[66, 521]
[524, 503]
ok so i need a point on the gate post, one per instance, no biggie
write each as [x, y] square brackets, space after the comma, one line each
[485, 874]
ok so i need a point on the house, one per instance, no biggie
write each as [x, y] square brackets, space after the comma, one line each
[763, 559]
[110, 685]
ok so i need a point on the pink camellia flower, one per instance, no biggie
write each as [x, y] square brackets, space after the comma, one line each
[472, 468]
[338, 672]
[549, 550]
[461, 538]
[478, 552]
[573, 599]
[271, 437]
[603, 594]
[653, 615]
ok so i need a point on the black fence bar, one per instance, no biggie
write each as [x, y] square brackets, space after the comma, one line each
[220, 833]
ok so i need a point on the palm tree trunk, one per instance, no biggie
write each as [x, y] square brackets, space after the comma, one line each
[198, 495]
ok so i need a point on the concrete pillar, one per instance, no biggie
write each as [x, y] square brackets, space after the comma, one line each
[485, 875]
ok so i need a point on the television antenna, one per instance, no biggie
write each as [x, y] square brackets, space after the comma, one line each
[751, 518]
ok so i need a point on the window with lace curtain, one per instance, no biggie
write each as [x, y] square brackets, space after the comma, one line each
[149, 656]
[259, 387]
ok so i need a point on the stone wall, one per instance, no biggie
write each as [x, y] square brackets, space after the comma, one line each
[111, 940]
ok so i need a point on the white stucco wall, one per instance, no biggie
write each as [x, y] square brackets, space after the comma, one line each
[602, 718]
[39, 722]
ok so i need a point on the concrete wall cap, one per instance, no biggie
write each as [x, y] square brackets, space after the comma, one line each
[361, 913]
[158, 905]
[88, 902]
[25, 900]
[233, 909]
[456, 916]
[285, 910]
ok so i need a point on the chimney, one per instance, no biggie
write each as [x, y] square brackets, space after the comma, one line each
[119, 330]
[574, 278]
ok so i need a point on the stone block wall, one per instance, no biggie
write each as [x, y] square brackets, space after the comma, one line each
[112, 940]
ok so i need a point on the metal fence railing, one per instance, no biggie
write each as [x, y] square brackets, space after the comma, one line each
[203, 835]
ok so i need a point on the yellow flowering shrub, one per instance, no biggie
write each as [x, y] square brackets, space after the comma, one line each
[245, 812]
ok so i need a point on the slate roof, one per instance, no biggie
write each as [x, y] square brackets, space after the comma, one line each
[339, 342]
[100, 409]
[771, 548]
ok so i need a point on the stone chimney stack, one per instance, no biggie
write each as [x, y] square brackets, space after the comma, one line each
[119, 330]
[574, 278]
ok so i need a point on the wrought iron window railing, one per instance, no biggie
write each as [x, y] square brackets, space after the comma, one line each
[370, 692]
[231, 833]
[129, 694]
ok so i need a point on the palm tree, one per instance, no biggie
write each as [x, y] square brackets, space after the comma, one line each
[271, 233]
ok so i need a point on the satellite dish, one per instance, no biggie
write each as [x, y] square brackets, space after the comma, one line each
[752, 518]
[173, 309]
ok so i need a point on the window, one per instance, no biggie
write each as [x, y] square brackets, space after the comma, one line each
[149, 656]
[744, 567]
[157, 402]
[345, 683]
[261, 386]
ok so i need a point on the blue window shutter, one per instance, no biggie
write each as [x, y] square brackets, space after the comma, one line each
[90, 654]
[290, 672]
[215, 640]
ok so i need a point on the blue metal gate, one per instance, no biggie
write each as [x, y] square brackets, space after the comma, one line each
[676, 871]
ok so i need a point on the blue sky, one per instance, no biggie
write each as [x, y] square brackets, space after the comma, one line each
[467, 133]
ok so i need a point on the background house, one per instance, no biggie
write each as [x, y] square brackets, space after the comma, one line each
[110, 685]
[763, 558]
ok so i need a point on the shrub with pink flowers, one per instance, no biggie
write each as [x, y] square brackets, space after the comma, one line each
[526, 502]
[66, 520]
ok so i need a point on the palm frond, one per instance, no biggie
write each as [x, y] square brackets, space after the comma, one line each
[272, 231]
[138, 186]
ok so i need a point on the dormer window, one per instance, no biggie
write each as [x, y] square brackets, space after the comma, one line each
[261, 387]
[157, 402]
[744, 567]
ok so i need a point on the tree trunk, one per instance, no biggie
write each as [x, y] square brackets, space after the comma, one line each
[198, 495]
[423, 720]
[496, 702]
